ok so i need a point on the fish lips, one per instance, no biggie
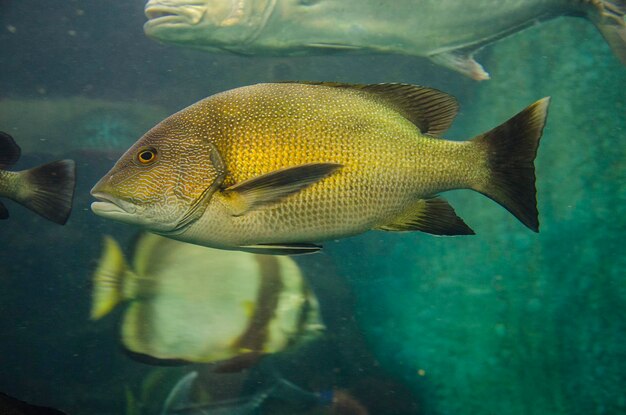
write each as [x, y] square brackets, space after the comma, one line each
[112, 207]
[164, 14]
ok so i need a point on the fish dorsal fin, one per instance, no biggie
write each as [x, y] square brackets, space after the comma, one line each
[434, 216]
[9, 151]
[431, 110]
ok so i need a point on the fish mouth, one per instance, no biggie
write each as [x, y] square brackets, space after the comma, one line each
[159, 15]
[107, 205]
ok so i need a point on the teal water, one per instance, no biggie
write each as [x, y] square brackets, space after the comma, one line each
[504, 322]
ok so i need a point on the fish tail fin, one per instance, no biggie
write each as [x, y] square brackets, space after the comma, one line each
[510, 150]
[49, 190]
[608, 17]
[108, 290]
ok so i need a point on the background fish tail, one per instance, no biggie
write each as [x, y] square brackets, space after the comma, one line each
[510, 151]
[50, 190]
[608, 16]
[108, 282]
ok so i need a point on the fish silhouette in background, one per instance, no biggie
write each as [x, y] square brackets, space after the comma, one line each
[47, 190]
[449, 32]
[13, 406]
[277, 168]
[333, 401]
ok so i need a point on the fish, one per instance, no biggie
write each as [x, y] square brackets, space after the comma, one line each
[334, 401]
[13, 406]
[192, 304]
[47, 190]
[279, 168]
[448, 32]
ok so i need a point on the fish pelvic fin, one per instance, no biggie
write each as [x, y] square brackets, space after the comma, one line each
[434, 216]
[108, 290]
[608, 17]
[510, 150]
[48, 190]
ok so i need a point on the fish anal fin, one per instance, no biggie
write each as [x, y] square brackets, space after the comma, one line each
[434, 216]
[281, 249]
[275, 186]
[461, 61]
[431, 110]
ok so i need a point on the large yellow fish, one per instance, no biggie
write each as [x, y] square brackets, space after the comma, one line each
[274, 168]
[196, 304]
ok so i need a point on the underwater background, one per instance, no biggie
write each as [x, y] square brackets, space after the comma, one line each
[503, 322]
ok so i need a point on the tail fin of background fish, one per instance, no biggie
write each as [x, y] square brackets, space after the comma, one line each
[510, 150]
[47, 190]
[108, 290]
[608, 16]
[50, 190]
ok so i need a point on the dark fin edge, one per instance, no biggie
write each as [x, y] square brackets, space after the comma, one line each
[51, 190]
[431, 110]
[511, 149]
[9, 150]
[281, 249]
[146, 359]
[434, 216]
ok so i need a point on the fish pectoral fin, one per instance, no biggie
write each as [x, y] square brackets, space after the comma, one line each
[461, 61]
[4, 213]
[434, 216]
[281, 249]
[275, 186]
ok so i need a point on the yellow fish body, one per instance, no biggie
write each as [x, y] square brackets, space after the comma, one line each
[277, 167]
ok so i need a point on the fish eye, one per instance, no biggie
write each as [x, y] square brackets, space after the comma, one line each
[147, 156]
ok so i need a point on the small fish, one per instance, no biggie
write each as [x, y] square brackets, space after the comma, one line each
[194, 304]
[12, 406]
[334, 401]
[449, 32]
[47, 190]
[277, 168]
